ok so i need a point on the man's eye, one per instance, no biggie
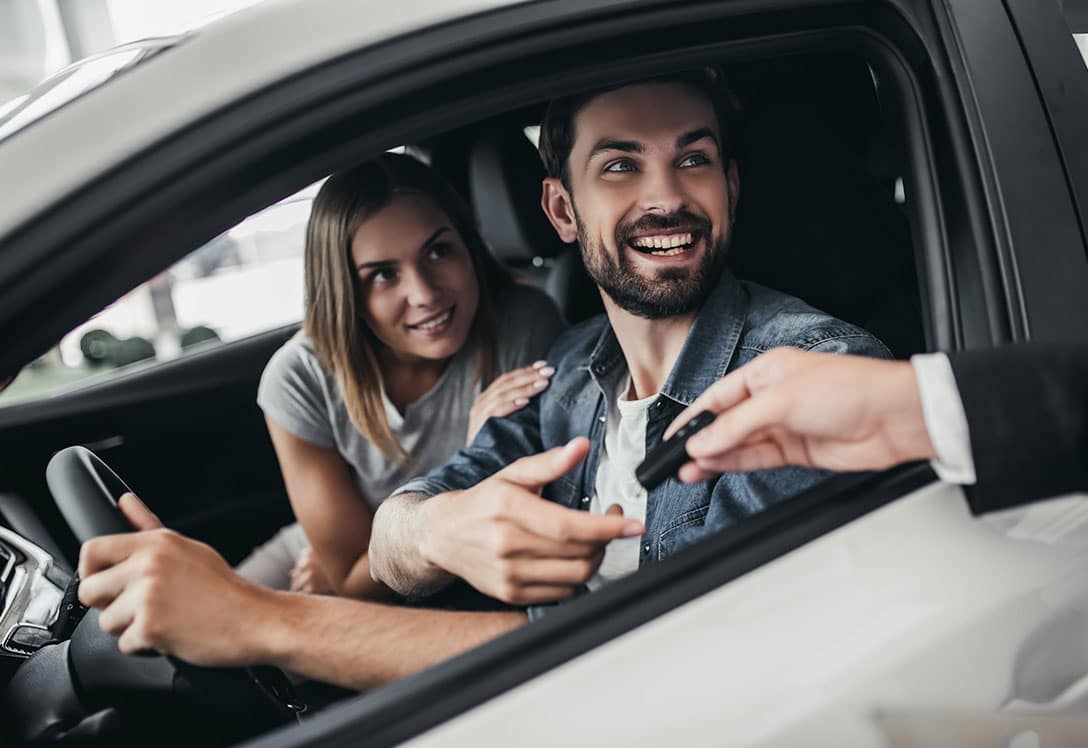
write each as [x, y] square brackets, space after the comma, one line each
[695, 159]
[618, 167]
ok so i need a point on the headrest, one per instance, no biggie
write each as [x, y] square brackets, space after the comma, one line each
[505, 174]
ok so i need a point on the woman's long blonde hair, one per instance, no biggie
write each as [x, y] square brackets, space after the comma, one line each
[334, 324]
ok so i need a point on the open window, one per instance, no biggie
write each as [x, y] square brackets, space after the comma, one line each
[862, 193]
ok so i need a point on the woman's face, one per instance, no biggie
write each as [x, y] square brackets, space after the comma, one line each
[417, 285]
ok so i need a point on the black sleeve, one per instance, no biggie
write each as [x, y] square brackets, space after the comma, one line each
[1027, 415]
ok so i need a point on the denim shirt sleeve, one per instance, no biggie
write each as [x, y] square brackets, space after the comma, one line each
[499, 442]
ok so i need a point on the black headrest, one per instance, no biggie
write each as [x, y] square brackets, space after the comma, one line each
[816, 219]
[505, 174]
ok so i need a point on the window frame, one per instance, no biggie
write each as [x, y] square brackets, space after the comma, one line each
[329, 101]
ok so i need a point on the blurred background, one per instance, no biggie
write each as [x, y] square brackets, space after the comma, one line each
[245, 281]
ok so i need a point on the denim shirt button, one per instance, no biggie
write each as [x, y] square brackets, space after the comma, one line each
[585, 499]
[646, 548]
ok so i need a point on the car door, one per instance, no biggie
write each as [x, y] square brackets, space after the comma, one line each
[841, 617]
[449, 75]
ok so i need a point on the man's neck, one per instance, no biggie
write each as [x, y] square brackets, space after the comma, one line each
[650, 346]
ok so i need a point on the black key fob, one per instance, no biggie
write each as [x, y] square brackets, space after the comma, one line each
[667, 457]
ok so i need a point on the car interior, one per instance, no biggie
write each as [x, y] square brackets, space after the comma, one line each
[823, 215]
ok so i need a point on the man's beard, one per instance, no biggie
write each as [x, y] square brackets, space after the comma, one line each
[673, 291]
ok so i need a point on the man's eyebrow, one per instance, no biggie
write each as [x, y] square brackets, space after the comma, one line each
[428, 242]
[611, 144]
[696, 135]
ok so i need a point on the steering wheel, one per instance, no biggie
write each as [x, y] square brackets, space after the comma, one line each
[89, 674]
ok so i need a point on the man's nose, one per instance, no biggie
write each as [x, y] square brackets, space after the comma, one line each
[662, 192]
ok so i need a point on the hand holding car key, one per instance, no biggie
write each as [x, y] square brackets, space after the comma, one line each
[666, 458]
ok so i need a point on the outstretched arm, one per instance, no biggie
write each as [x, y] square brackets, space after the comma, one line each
[159, 590]
[790, 407]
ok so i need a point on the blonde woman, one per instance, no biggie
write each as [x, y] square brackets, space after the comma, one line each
[408, 326]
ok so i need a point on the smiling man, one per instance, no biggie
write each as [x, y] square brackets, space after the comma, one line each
[641, 176]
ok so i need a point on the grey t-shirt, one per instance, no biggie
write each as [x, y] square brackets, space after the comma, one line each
[298, 394]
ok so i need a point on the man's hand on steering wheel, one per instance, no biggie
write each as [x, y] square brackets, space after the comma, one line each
[161, 591]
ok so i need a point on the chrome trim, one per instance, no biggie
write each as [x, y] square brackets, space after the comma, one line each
[24, 579]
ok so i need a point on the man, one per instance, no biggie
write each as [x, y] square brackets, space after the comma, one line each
[1010, 424]
[641, 176]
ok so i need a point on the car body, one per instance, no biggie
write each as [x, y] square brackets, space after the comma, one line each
[874, 608]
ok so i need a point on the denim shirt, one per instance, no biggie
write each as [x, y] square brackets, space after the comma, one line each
[737, 322]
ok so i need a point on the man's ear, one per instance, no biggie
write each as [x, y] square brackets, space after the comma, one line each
[559, 208]
[732, 178]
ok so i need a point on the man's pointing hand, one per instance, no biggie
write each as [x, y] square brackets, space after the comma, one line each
[507, 542]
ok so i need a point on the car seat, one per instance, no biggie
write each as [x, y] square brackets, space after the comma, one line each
[817, 215]
[505, 173]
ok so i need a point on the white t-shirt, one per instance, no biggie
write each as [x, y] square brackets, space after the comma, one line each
[624, 449]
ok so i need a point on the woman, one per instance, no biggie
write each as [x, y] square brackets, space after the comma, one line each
[409, 321]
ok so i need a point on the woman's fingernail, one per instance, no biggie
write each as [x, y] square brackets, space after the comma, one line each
[538, 364]
[540, 384]
[521, 401]
[547, 371]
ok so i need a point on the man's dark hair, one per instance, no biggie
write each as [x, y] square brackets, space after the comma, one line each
[557, 129]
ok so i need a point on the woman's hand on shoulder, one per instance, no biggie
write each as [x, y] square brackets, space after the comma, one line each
[509, 392]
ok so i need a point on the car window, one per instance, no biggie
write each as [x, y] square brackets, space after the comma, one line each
[245, 281]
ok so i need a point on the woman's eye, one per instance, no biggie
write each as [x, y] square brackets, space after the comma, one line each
[383, 275]
[438, 251]
[618, 167]
[695, 159]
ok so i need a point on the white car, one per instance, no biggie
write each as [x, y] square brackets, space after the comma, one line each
[918, 167]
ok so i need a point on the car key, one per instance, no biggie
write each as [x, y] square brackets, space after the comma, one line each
[666, 458]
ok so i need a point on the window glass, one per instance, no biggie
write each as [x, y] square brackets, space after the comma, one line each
[245, 281]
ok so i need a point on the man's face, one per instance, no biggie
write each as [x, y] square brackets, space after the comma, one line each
[650, 200]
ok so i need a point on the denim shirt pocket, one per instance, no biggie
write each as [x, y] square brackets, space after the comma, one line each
[682, 531]
[563, 491]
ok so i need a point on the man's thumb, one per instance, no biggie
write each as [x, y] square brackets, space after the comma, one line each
[137, 513]
[534, 471]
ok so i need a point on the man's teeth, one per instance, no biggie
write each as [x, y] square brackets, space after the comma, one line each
[663, 242]
[436, 322]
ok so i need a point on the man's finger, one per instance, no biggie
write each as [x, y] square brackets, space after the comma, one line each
[741, 424]
[106, 551]
[119, 614]
[553, 571]
[137, 513]
[534, 471]
[522, 543]
[538, 594]
[557, 523]
[722, 395]
[100, 589]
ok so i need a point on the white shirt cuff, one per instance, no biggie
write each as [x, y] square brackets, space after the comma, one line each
[945, 418]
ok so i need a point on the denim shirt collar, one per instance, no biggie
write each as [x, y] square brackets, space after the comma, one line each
[708, 349]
